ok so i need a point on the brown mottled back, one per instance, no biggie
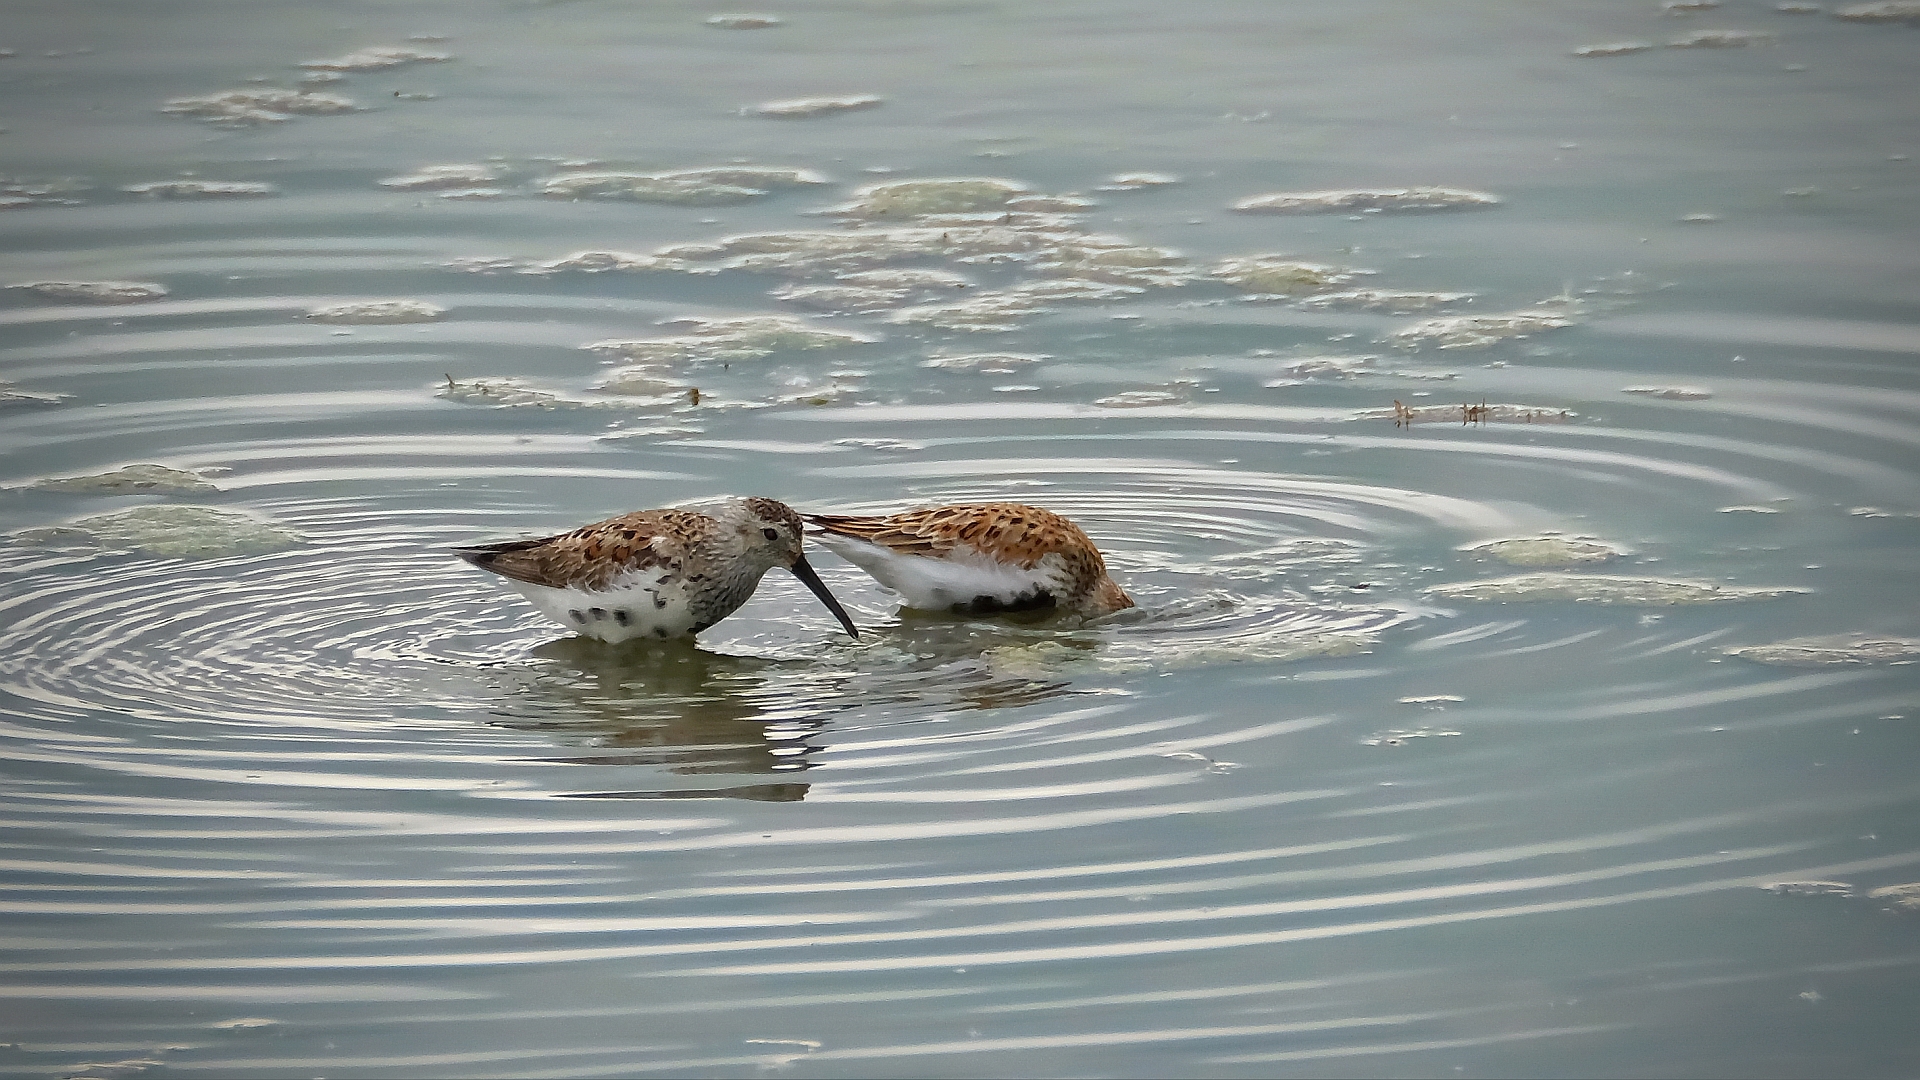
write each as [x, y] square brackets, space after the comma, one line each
[1011, 532]
[592, 556]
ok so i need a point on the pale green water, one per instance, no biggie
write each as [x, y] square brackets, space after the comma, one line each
[332, 803]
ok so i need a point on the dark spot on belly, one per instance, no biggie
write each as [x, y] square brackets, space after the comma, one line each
[622, 616]
[599, 614]
[660, 631]
[577, 615]
[985, 604]
[659, 602]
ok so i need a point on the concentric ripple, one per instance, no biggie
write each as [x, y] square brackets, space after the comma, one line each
[292, 791]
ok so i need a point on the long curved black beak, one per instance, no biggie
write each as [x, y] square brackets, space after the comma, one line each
[812, 581]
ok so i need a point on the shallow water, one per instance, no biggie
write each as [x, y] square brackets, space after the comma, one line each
[290, 792]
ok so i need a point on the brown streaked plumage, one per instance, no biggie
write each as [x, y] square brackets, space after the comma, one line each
[977, 558]
[658, 573]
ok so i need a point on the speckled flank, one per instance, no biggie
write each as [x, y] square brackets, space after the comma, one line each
[1064, 568]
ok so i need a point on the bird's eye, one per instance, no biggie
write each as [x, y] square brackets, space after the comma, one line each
[770, 534]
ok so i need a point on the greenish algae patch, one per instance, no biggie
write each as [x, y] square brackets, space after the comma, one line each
[1831, 650]
[1282, 275]
[377, 311]
[1374, 200]
[916, 198]
[749, 338]
[133, 479]
[642, 187]
[202, 189]
[1886, 11]
[184, 532]
[1480, 331]
[1548, 551]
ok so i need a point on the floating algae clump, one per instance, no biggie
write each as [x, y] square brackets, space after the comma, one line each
[751, 338]
[1300, 368]
[1480, 331]
[1722, 39]
[1831, 650]
[1138, 181]
[1900, 898]
[600, 262]
[646, 187]
[505, 393]
[376, 58]
[1671, 393]
[250, 105]
[983, 363]
[1281, 275]
[10, 396]
[1885, 11]
[1548, 551]
[988, 312]
[202, 189]
[803, 108]
[132, 479]
[1388, 300]
[915, 198]
[907, 278]
[903, 249]
[96, 292]
[378, 311]
[846, 299]
[1602, 589]
[1376, 200]
[1469, 413]
[1141, 399]
[1099, 258]
[188, 532]
[761, 177]
[1613, 48]
[440, 177]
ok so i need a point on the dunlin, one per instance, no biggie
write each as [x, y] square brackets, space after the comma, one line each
[656, 573]
[978, 558]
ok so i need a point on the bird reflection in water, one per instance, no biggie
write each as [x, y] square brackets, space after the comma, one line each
[674, 706]
[678, 710]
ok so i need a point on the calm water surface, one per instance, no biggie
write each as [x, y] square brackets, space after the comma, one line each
[290, 792]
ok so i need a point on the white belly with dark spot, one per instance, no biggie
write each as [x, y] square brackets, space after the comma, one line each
[649, 607]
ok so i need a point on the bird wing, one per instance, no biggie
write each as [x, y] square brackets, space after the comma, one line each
[1011, 532]
[592, 556]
